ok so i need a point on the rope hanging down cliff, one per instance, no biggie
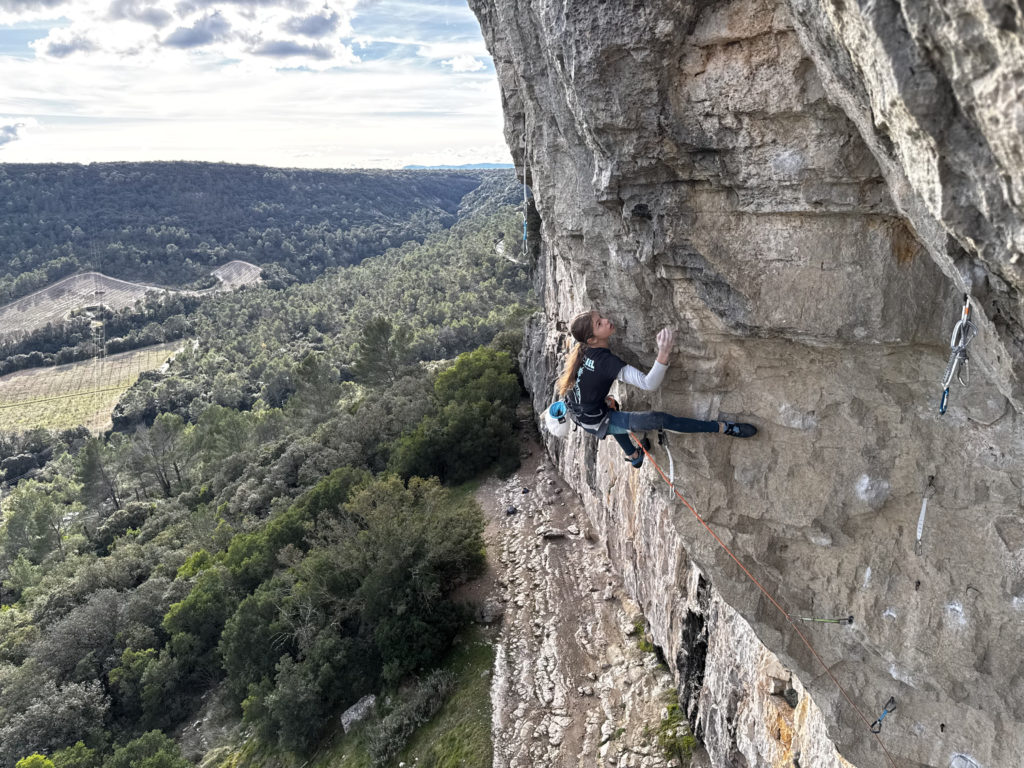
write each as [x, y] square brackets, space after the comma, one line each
[525, 203]
[789, 619]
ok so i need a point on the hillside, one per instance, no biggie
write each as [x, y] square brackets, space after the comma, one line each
[56, 303]
[273, 528]
[171, 223]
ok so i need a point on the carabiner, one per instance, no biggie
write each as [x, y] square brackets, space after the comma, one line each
[890, 705]
[963, 333]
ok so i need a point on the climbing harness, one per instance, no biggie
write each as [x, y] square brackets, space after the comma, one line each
[963, 332]
[890, 705]
[663, 441]
[847, 620]
[586, 419]
[791, 620]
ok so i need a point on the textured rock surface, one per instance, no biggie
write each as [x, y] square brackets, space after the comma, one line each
[936, 88]
[571, 687]
[803, 191]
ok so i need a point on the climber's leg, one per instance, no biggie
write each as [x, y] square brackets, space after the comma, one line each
[645, 421]
[622, 438]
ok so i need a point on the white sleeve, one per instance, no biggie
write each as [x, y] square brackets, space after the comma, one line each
[650, 382]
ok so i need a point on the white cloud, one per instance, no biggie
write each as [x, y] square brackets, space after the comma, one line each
[456, 49]
[317, 25]
[12, 11]
[63, 43]
[273, 82]
[11, 129]
[303, 31]
[204, 31]
[465, 63]
[141, 11]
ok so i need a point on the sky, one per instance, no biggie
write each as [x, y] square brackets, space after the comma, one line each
[287, 83]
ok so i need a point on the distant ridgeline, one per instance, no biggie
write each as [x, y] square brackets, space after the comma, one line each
[172, 223]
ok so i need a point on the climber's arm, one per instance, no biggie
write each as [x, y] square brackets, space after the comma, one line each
[656, 375]
[650, 382]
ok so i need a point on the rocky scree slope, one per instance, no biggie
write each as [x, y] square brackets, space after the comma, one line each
[805, 191]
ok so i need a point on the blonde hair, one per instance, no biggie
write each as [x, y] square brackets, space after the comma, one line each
[582, 329]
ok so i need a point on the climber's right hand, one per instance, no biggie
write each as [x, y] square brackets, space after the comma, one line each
[664, 340]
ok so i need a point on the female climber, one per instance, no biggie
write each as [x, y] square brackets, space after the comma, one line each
[592, 369]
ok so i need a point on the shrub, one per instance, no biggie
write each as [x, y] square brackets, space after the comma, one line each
[472, 426]
[34, 761]
[388, 737]
[151, 750]
[78, 756]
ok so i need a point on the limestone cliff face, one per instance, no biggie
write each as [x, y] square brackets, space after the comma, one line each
[804, 191]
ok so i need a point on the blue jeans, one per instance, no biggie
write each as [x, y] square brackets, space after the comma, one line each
[621, 423]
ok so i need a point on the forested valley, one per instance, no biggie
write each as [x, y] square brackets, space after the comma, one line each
[170, 223]
[276, 520]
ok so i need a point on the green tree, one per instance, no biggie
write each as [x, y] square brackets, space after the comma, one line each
[76, 756]
[253, 557]
[126, 682]
[472, 426]
[255, 638]
[317, 387]
[34, 761]
[382, 351]
[22, 574]
[100, 470]
[195, 624]
[417, 545]
[295, 706]
[151, 750]
[219, 434]
[228, 390]
[37, 516]
[159, 453]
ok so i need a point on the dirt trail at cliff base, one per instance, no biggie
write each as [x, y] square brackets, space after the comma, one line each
[571, 686]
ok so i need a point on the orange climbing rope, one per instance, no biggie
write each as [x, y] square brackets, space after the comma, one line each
[767, 594]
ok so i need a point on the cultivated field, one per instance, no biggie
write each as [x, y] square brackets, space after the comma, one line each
[235, 274]
[55, 302]
[79, 393]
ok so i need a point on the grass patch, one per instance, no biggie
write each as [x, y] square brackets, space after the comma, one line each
[642, 641]
[672, 734]
[460, 734]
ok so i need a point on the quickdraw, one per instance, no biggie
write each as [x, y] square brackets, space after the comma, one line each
[929, 491]
[890, 705]
[845, 620]
[663, 441]
[963, 332]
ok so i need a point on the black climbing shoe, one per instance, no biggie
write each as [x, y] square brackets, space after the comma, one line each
[739, 430]
[639, 460]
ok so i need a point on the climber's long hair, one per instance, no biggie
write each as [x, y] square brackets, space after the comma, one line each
[582, 328]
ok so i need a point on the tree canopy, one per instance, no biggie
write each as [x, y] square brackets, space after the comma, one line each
[274, 515]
